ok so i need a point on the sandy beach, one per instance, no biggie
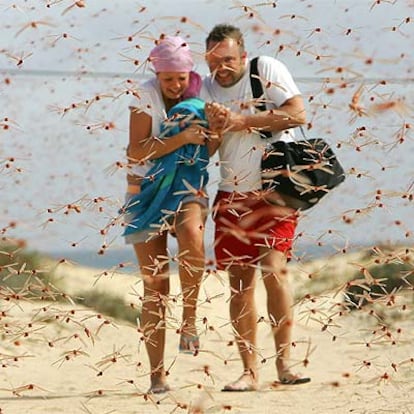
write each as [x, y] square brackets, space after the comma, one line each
[62, 358]
[70, 71]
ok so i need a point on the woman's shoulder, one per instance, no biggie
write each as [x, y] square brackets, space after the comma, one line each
[146, 94]
[149, 84]
[148, 87]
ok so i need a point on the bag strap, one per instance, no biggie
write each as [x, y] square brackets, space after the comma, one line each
[303, 133]
[257, 91]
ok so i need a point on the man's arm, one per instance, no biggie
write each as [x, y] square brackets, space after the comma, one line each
[289, 115]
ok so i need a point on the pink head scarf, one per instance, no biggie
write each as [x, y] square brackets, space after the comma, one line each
[194, 86]
[172, 54]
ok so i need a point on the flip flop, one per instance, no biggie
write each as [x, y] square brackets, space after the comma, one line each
[295, 381]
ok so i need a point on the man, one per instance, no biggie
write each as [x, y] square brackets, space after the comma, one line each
[243, 240]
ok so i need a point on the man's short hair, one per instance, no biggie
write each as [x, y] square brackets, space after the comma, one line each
[224, 31]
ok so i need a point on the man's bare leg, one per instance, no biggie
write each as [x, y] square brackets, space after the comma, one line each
[280, 311]
[244, 321]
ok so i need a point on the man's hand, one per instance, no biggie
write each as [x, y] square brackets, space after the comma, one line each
[217, 117]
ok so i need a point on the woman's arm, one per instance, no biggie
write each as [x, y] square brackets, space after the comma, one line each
[213, 142]
[143, 146]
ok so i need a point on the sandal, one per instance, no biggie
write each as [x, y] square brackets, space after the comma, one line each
[239, 386]
[295, 380]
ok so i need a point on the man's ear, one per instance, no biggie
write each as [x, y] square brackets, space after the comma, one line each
[244, 56]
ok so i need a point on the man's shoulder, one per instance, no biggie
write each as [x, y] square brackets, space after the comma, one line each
[272, 68]
[269, 61]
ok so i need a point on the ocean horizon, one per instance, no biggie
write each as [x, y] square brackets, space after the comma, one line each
[124, 259]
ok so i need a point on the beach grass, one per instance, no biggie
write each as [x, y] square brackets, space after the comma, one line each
[32, 275]
[367, 277]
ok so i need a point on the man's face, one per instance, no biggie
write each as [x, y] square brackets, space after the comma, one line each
[226, 61]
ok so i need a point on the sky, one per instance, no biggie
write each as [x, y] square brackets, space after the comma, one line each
[97, 35]
[65, 72]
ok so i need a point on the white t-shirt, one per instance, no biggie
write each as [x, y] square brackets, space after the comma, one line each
[149, 100]
[241, 152]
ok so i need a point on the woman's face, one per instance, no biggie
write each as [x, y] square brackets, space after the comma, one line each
[173, 84]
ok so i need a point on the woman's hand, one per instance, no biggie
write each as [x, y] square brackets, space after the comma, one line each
[194, 134]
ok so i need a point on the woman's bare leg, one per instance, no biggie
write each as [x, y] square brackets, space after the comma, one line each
[190, 236]
[156, 290]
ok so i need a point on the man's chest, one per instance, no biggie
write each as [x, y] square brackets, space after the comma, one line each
[237, 98]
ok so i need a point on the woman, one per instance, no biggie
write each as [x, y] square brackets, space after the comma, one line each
[174, 82]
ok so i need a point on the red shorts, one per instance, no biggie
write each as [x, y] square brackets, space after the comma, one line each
[244, 223]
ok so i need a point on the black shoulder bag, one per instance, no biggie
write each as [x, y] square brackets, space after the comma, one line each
[303, 171]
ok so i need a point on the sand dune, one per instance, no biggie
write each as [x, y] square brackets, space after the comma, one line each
[63, 358]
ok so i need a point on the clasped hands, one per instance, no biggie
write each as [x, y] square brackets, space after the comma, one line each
[218, 117]
[221, 119]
